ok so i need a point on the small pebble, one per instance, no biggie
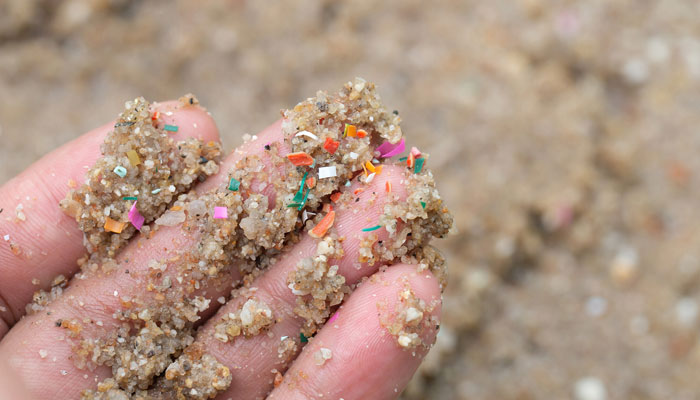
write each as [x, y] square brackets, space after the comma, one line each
[596, 306]
[624, 266]
[590, 388]
[686, 311]
[322, 355]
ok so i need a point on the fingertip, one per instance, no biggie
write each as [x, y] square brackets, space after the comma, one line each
[191, 120]
[389, 286]
[365, 332]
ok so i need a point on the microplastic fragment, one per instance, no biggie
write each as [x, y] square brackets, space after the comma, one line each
[416, 153]
[135, 217]
[387, 149]
[331, 145]
[323, 226]
[303, 201]
[308, 134]
[133, 157]
[374, 228]
[119, 170]
[333, 318]
[170, 128]
[114, 226]
[419, 165]
[220, 212]
[350, 130]
[327, 172]
[234, 184]
[300, 158]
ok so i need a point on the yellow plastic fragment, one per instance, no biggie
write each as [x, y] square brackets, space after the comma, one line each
[370, 167]
[133, 157]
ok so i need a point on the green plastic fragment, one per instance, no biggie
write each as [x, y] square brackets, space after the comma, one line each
[234, 184]
[299, 197]
[374, 228]
[303, 338]
[402, 159]
[130, 198]
[303, 202]
[170, 128]
[348, 184]
[419, 165]
[119, 170]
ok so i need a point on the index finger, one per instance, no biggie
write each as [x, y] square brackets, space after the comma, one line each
[37, 240]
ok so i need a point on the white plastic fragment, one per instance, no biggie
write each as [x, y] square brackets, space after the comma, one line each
[327, 172]
[308, 134]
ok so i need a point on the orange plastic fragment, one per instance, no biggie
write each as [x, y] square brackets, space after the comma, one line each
[370, 167]
[410, 161]
[358, 191]
[379, 169]
[323, 226]
[300, 158]
[361, 133]
[114, 226]
[331, 145]
[311, 182]
[155, 115]
[335, 197]
[350, 130]
[388, 187]
[176, 208]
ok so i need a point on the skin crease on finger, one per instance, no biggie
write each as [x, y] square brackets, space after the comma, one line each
[251, 359]
[48, 242]
[362, 349]
[97, 298]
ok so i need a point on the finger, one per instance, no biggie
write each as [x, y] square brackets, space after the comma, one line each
[366, 362]
[11, 390]
[46, 242]
[97, 297]
[251, 360]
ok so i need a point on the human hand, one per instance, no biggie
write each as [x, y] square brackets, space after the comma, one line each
[366, 361]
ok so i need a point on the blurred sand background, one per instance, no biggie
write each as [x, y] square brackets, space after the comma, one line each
[564, 136]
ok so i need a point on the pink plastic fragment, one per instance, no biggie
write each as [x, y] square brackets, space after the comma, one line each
[135, 217]
[333, 318]
[387, 149]
[221, 212]
[415, 152]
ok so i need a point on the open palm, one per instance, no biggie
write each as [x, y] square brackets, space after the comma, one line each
[39, 357]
